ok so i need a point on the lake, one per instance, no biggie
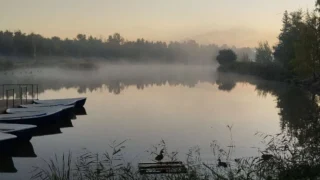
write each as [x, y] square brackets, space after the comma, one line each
[185, 106]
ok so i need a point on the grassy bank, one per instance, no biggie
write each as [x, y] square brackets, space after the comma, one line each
[268, 71]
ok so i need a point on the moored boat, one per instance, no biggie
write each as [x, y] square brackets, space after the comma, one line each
[66, 112]
[44, 105]
[22, 131]
[77, 102]
[35, 118]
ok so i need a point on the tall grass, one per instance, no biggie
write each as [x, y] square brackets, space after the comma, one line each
[286, 159]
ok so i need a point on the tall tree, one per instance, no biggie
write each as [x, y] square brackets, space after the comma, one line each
[306, 62]
[284, 50]
[264, 53]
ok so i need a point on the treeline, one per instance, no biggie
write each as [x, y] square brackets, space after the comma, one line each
[296, 55]
[114, 47]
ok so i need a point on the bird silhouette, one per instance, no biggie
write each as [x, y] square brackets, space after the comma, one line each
[160, 156]
[222, 164]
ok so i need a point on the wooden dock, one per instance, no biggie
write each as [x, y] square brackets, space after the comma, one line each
[176, 167]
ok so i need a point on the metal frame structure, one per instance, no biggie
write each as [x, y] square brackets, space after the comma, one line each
[19, 86]
[7, 96]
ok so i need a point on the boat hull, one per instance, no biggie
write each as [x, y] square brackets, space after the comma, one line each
[23, 132]
[46, 119]
[77, 102]
[66, 112]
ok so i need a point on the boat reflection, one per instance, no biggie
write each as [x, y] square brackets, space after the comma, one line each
[46, 130]
[22, 149]
[80, 111]
[67, 123]
[6, 164]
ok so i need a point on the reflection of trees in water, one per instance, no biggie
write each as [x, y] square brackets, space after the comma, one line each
[226, 82]
[297, 153]
[298, 109]
[116, 81]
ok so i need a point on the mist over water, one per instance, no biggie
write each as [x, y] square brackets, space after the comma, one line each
[114, 76]
[184, 105]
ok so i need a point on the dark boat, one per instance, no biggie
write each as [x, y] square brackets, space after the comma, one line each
[34, 118]
[80, 111]
[77, 102]
[65, 111]
[22, 131]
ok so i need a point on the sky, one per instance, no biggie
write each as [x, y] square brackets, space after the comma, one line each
[233, 22]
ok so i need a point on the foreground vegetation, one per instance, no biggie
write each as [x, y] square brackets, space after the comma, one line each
[284, 158]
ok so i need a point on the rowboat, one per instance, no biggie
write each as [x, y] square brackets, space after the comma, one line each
[44, 105]
[77, 102]
[23, 132]
[35, 118]
[66, 112]
[38, 109]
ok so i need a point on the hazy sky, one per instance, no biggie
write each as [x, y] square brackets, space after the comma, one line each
[237, 22]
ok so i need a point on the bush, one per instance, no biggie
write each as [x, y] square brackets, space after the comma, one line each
[226, 56]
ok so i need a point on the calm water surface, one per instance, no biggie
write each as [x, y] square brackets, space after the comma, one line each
[185, 106]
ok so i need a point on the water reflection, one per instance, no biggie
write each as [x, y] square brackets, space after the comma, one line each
[7, 165]
[22, 149]
[46, 130]
[298, 109]
[80, 111]
[116, 77]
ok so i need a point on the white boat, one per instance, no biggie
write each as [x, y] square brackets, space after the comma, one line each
[77, 102]
[22, 131]
[35, 118]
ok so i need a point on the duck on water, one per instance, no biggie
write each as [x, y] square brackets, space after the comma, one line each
[160, 156]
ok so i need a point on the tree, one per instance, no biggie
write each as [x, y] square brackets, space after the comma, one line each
[116, 39]
[245, 58]
[264, 53]
[226, 56]
[284, 50]
[318, 5]
[307, 55]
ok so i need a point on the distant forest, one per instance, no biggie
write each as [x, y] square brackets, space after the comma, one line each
[19, 44]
